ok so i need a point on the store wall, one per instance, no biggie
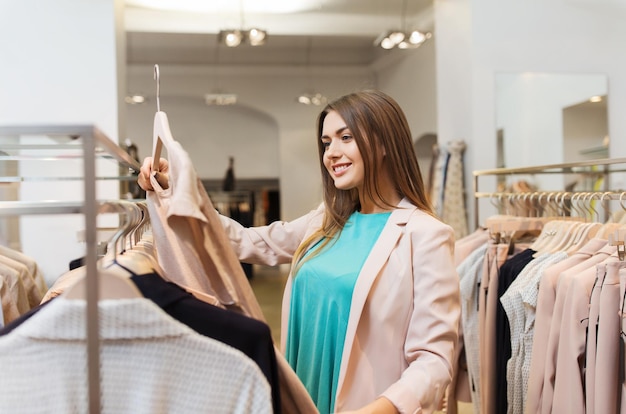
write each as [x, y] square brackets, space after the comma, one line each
[410, 77]
[59, 66]
[477, 39]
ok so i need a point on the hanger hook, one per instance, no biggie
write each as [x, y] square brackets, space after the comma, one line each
[566, 211]
[157, 78]
[621, 203]
[594, 211]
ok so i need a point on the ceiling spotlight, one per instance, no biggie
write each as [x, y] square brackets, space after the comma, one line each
[391, 39]
[231, 38]
[396, 37]
[256, 37]
[135, 99]
[304, 99]
[220, 99]
[316, 99]
[234, 38]
[416, 37]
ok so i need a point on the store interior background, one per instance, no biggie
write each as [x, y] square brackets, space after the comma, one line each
[74, 62]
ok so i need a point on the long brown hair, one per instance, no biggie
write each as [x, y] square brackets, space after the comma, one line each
[376, 121]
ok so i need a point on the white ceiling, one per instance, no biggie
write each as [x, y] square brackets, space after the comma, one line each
[337, 32]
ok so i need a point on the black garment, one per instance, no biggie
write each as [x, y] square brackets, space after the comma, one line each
[76, 263]
[507, 275]
[246, 334]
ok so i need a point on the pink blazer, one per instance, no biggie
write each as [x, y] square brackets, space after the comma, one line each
[405, 311]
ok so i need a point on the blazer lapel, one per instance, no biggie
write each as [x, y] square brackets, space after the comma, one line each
[371, 269]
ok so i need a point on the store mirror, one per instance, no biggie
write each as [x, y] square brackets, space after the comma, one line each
[550, 118]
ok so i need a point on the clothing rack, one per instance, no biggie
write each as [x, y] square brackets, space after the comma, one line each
[600, 167]
[94, 143]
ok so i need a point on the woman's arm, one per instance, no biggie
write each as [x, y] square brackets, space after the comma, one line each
[269, 245]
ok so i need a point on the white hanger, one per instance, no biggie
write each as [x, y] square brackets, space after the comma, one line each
[161, 131]
[110, 284]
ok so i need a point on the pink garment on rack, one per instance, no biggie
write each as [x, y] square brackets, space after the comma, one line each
[606, 370]
[622, 326]
[590, 349]
[13, 294]
[31, 265]
[552, 348]
[543, 316]
[194, 251]
[488, 302]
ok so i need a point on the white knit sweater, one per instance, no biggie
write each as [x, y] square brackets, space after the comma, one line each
[150, 363]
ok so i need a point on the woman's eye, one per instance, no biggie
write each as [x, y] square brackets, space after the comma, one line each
[325, 144]
[346, 137]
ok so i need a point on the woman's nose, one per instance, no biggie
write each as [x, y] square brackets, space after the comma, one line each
[332, 149]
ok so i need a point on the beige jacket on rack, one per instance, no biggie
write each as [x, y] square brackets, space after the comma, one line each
[408, 276]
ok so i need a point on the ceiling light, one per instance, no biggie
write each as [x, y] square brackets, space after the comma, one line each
[256, 37]
[316, 99]
[402, 39]
[412, 40]
[234, 38]
[396, 37]
[135, 99]
[220, 99]
[595, 99]
[231, 38]
[304, 99]
[416, 37]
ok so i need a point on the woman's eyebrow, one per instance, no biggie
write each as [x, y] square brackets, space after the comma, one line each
[337, 132]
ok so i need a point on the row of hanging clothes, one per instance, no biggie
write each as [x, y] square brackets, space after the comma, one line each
[180, 327]
[151, 328]
[445, 184]
[22, 285]
[542, 290]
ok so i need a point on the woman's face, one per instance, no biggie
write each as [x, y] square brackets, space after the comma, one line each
[342, 157]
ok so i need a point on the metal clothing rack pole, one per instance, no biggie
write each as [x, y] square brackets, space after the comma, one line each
[91, 136]
[581, 167]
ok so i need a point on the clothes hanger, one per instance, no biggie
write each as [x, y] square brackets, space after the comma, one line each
[557, 228]
[504, 225]
[611, 224]
[622, 219]
[572, 231]
[120, 257]
[161, 131]
[587, 230]
[110, 284]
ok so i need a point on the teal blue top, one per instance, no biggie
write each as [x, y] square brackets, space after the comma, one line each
[320, 306]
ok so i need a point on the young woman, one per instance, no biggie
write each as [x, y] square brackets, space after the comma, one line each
[371, 307]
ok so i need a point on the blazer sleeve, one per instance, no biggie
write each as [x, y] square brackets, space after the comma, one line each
[432, 333]
[272, 244]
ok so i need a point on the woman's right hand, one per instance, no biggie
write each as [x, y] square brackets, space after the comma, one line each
[146, 170]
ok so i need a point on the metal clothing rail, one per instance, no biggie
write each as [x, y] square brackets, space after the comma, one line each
[581, 168]
[93, 141]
